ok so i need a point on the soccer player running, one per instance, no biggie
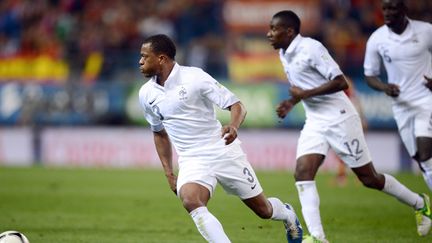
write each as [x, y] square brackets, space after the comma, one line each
[405, 48]
[331, 122]
[178, 103]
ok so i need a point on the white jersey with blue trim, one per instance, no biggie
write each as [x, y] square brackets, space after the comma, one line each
[407, 58]
[184, 106]
[308, 65]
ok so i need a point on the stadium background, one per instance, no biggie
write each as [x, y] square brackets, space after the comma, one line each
[69, 75]
[68, 84]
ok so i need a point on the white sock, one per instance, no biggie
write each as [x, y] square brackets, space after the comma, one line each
[280, 212]
[427, 174]
[209, 227]
[394, 188]
[310, 201]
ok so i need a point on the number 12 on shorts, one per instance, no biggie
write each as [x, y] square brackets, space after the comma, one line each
[354, 145]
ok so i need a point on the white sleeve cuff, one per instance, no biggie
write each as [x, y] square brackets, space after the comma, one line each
[370, 72]
[157, 128]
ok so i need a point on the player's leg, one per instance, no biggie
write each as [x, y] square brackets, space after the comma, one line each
[195, 185]
[273, 208]
[388, 184]
[195, 198]
[306, 169]
[424, 148]
[312, 147]
[262, 207]
[424, 158]
[355, 153]
[415, 129]
[237, 177]
[423, 139]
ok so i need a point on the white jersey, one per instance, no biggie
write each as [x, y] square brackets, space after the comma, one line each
[308, 65]
[406, 57]
[184, 107]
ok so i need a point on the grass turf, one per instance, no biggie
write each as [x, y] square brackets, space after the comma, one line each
[135, 205]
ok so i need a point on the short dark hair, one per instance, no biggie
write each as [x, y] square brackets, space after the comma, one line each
[162, 44]
[400, 3]
[289, 19]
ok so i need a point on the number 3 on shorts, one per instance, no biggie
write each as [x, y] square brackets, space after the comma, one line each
[247, 172]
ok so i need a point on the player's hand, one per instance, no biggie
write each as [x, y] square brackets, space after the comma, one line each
[428, 83]
[229, 133]
[172, 181]
[392, 90]
[297, 93]
[284, 107]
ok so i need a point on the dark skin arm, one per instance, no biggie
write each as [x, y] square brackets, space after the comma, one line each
[238, 114]
[375, 83]
[164, 150]
[337, 84]
[286, 106]
[428, 83]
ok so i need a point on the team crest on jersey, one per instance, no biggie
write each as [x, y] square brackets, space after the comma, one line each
[183, 94]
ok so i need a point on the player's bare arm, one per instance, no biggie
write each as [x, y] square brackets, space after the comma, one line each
[285, 107]
[428, 83]
[337, 84]
[238, 114]
[390, 89]
[164, 150]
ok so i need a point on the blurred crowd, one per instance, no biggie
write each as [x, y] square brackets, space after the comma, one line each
[76, 30]
[348, 24]
[100, 39]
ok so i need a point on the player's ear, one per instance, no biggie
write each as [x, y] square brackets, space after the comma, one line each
[162, 59]
[290, 31]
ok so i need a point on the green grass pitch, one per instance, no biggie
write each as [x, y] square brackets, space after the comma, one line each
[135, 205]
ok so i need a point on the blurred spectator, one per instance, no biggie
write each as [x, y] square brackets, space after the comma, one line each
[96, 40]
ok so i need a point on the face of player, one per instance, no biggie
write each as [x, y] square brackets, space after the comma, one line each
[149, 63]
[279, 35]
[394, 13]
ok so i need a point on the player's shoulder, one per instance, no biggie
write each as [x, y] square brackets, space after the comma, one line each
[146, 86]
[146, 89]
[378, 33]
[311, 42]
[421, 25]
[312, 46]
[190, 71]
[194, 74]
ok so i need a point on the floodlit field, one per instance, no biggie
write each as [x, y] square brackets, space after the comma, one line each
[101, 205]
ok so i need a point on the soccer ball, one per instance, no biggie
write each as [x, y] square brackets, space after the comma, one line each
[13, 237]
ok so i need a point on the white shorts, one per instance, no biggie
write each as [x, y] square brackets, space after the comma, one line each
[346, 138]
[231, 170]
[414, 121]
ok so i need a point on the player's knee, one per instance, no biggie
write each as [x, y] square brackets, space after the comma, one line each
[303, 175]
[191, 204]
[424, 155]
[305, 171]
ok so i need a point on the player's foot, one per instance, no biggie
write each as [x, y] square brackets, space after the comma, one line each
[312, 239]
[424, 216]
[294, 231]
